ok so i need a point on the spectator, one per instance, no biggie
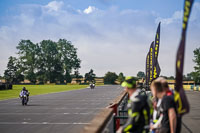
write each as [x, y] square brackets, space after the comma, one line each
[167, 108]
[138, 109]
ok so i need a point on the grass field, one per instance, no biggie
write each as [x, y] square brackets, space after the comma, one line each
[37, 89]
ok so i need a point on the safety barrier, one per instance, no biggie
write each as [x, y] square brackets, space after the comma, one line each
[5, 86]
[108, 120]
[120, 111]
[121, 116]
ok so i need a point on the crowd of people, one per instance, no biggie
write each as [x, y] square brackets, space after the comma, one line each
[155, 113]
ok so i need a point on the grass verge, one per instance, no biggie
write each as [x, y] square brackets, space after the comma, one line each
[37, 90]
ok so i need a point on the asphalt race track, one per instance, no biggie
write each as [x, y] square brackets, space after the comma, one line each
[191, 121]
[66, 112]
[69, 112]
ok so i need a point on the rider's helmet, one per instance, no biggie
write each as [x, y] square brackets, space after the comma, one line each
[24, 88]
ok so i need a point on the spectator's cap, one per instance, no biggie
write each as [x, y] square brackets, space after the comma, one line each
[130, 82]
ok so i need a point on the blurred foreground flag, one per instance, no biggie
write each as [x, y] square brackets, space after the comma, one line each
[180, 97]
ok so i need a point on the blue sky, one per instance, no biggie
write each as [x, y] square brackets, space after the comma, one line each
[111, 35]
[164, 8]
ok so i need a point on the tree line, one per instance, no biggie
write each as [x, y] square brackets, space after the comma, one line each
[45, 61]
[49, 61]
[57, 62]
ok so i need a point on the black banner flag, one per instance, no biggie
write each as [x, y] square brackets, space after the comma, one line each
[147, 71]
[156, 67]
[180, 97]
[151, 62]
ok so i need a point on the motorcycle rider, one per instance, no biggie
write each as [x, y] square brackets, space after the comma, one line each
[24, 91]
[92, 85]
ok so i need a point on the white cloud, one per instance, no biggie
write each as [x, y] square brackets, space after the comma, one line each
[90, 9]
[54, 5]
[107, 40]
[177, 16]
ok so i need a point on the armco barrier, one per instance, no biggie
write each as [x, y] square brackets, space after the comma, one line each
[103, 122]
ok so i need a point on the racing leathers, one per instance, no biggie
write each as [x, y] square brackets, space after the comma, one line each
[139, 111]
[24, 92]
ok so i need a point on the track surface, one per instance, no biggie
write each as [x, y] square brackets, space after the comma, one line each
[69, 112]
[191, 121]
[66, 112]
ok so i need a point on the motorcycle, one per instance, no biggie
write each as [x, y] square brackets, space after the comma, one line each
[24, 99]
[24, 96]
[92, 86]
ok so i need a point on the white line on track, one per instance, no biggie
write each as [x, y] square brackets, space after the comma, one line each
[41, 123]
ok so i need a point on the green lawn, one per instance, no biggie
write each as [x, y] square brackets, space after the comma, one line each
[38, 89]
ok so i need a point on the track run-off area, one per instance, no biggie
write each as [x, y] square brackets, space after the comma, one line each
[71, 111]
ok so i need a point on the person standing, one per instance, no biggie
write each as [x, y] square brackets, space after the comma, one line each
[139, 109]
[169, 92]
[167, 108]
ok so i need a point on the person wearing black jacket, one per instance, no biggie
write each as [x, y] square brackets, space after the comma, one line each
[167, 108]
[139, 109]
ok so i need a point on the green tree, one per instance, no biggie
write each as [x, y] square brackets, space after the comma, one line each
[110, 78]
[68, 77]
[77, 76]
[171, 77]
[140, 74]
[28, 52]
[121, 77]
[13, 74]
[47, 61]
[196, 74]
[90, 76]
[19, 72]
[52, 64]
[190, 76]
[197, 59]
[68, 56]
